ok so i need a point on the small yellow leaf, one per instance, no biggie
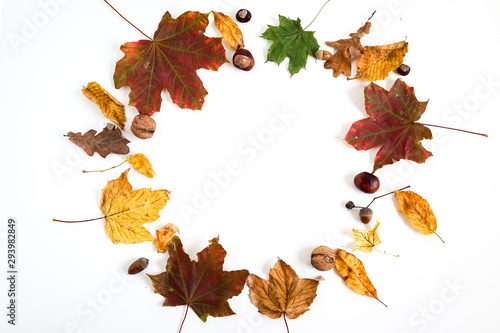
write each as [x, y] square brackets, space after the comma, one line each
[417, 211]
[110, 106]
[230, 30]
[353, 273]
[126, 210]
[366, 240]
[164, 235]
[377, 61]
[141, 163]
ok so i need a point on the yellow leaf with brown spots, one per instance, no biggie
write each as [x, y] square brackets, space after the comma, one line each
[110, 106]
[141, 163]
[377, 62]
[353, 273]
[417, 211]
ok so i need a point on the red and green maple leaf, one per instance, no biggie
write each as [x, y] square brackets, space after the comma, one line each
[169, 61]
[201, 285]
[391, 124]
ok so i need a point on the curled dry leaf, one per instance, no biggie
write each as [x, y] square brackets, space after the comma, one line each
[110, 140]
[353, 273]
[283, 294]
[417, 211]
[164, 235]
[349, 48]
[126, 210]
[377, 62]
[110, 106]
[366, 240]
[202, 285]
[141, 163]
[229, 29]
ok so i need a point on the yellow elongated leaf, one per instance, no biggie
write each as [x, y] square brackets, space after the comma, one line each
[164, 235]
[229, 29]
[417, 211]
[126, 210]
[283, 294]
[366, 240]
[353, 273]
[110, 106]
[141, 163]
[377, 61]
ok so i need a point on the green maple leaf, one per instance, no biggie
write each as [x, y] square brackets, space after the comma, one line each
[290, 40]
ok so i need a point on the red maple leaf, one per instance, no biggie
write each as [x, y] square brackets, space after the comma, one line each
[169, 61]
[391, 124]
[202, 284]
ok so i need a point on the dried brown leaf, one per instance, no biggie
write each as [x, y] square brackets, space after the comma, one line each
[377, 62]
[110, 140]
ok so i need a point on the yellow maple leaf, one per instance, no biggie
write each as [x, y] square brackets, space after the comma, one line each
[366, 240]
[126, 210]
[141, 163]
[283, 294]
[417, 211]
[229, 29]
[377, 61]
[353, 273]
[110, 106]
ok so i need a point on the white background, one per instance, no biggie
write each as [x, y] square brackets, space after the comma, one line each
[289, 194]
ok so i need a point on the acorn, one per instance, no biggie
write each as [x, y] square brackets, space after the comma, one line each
[138, 266]
[365, 215]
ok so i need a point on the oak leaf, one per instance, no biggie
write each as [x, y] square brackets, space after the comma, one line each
[283, 294]
[164, 235]
[391, 124]
[341, 60]
[377, 62]
[110, 140]
[229, 29]
[142, 164]
[169, 61]
[202, 285]
[126, 211]
[110, 106]
[353, 273]
[417, 211]
[366, 240]
[290, 40]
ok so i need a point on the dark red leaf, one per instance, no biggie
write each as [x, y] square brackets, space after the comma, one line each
[170, 61]
[201, 284]
[391, 124]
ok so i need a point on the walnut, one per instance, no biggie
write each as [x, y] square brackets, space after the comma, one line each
[323, 258]
[143, 126]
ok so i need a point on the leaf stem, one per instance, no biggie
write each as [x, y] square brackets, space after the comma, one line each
[286, 324]
[97, 218]
[116, 166]
[184, 319]
[123, 17]
[314, 19]
[455, 129]
[389, 254]
[439, 237]
[404, 188]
